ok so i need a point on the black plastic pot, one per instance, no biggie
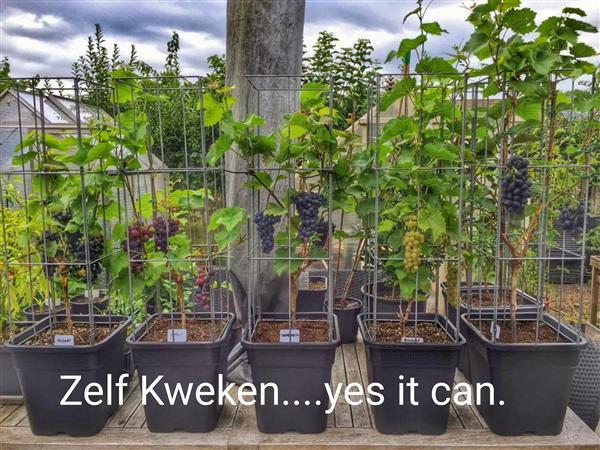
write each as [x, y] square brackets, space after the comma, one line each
[386, 305]
[40, 368]
[526, 303]
[312, 300]
[33, 313]
[181, 362]
[9, 381]
[533, 380]
[428, 364]
[80, 305]
[300, 370]
[347, 319]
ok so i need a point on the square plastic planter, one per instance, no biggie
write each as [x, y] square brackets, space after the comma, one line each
[181, 362]
[312, 300]
[427, 363]
[40, 368]
[526, 303]
[533, 380]
[385, 305]
[300, 370]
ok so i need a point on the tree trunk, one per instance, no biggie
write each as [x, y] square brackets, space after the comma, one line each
[264, 37]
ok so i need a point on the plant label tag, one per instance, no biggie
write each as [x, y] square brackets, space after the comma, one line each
[412, 340]
[177, 335]
[495, 330]
[64, 339]
[289, 335]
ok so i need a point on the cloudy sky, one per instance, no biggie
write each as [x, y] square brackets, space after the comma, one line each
[45, 37]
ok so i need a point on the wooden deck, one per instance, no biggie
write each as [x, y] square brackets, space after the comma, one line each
[349, 427]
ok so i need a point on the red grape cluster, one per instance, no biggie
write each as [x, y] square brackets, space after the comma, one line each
[201, 294]
[516, 186]
[161, 229]
[137, 235]
[308, 204]
[266, 230]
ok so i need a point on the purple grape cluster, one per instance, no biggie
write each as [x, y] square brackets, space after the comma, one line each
[516, 185]
[137, 235]
[571, 218]
[323, 232]
[266, 230]
[161, 229]
[76, 248]
[63, 217]
[308, 204]
[203, 283]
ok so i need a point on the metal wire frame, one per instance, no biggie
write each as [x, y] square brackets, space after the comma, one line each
[261, 89]
[540, 242]
[91, 92]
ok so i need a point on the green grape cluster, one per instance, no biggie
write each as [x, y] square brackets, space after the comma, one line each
[413, 239]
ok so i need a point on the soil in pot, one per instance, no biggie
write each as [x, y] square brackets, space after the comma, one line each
[429, 362]
[40, 368]
[268, 331]
[485, 299]
[525, 332]
[197, 330]
[532, 379]
[347, 311]
[80, 332]
[201, 359]
[431, 333]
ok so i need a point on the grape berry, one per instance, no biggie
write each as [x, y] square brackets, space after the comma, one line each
[266, 230]
[516, 186]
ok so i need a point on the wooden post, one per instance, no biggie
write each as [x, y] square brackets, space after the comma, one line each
[595, 263]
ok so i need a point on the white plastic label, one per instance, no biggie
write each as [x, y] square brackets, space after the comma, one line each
[412, 340]
[64, 339]
[495, 330]
[177, 335]
[289, 335]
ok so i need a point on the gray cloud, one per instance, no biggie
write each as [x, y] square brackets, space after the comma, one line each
[46, 36]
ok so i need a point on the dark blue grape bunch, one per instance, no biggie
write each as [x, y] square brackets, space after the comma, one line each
[161, 229]
[76, 248]
[516, 185]
[323, 232]
[64, 217]
[308, 204]
[266, 230]
[571, 218]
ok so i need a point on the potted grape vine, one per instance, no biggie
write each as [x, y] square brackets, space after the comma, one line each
[529, 357]
[89, 346]
[294, 350]
[417, 213]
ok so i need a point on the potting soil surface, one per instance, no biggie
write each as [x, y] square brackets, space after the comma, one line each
[310, 330]
[80, 332]
[486, 298]
[197, 330]
[392, 332]
[316, 286]
[525, 333]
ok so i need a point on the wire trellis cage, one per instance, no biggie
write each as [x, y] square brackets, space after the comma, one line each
[111, 190]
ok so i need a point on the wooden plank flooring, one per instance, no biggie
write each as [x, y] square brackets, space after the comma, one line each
[349, 427]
